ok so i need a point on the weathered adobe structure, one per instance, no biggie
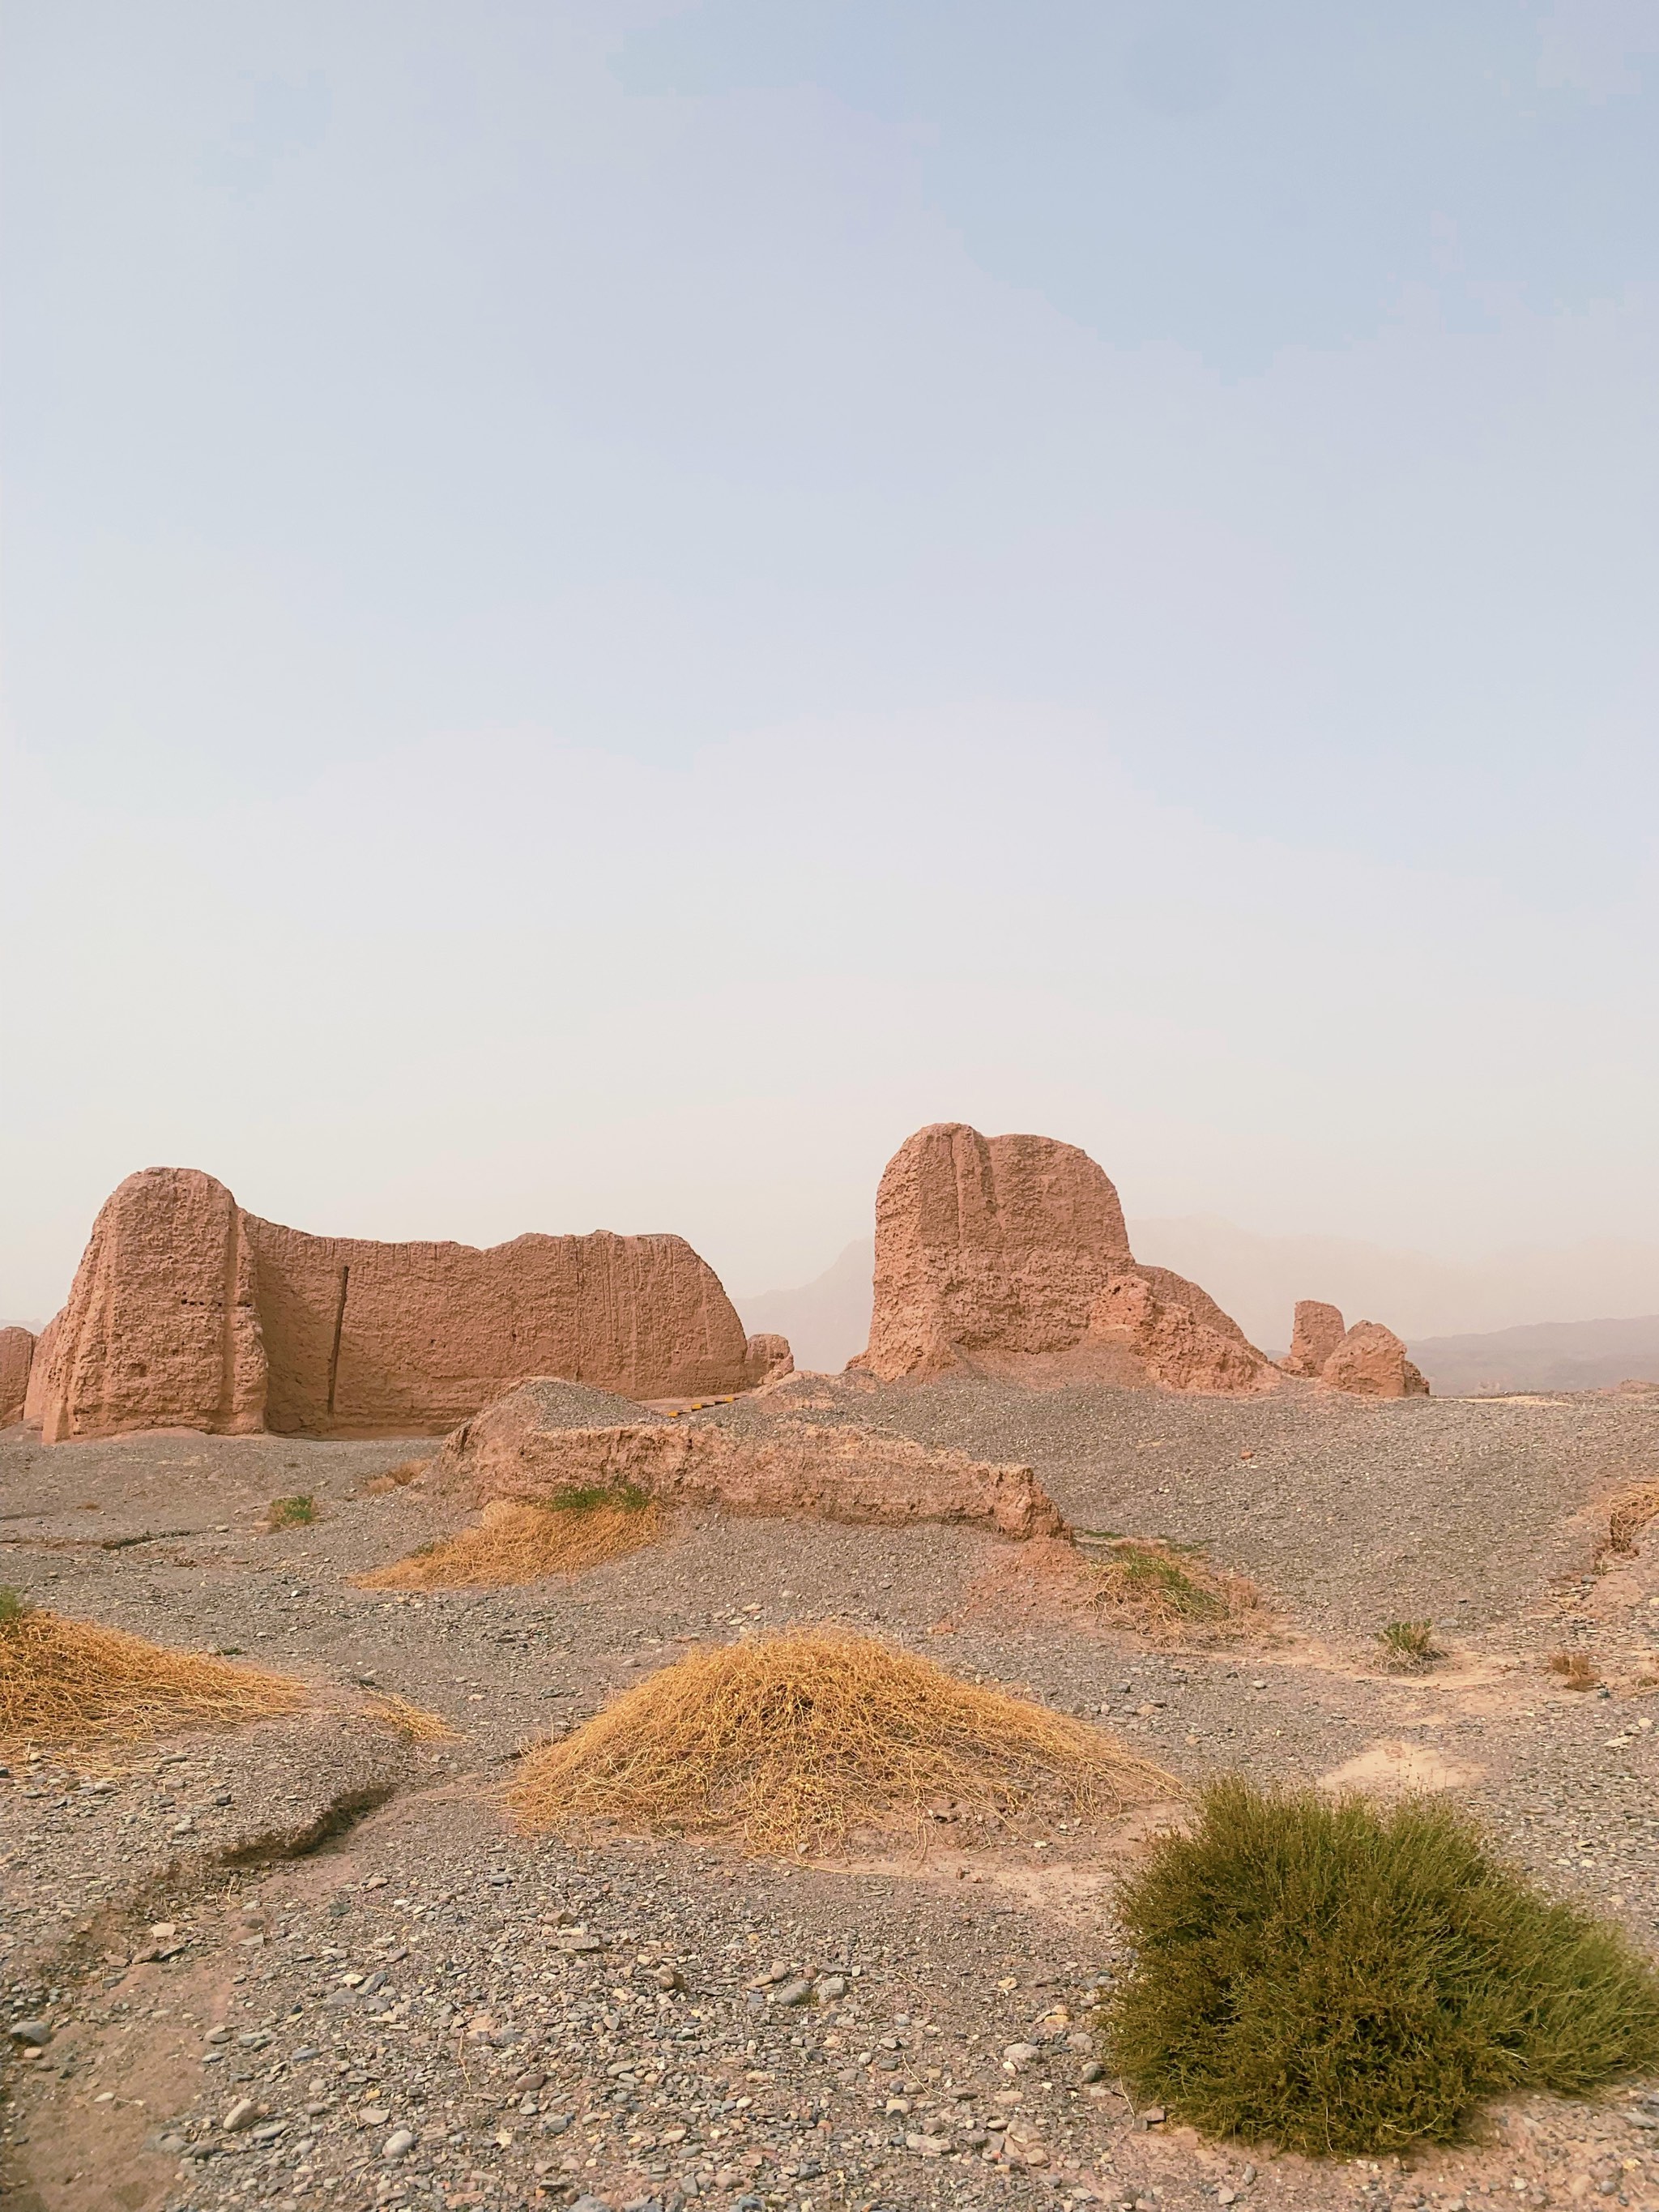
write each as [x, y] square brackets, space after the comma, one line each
[1008, 1256]
[16, 1357]
[189, 1312]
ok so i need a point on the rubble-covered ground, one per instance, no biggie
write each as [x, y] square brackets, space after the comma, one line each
[311, 1963]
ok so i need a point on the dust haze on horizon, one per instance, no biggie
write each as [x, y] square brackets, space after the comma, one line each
[609, 607]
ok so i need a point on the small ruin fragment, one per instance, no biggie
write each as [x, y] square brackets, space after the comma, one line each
[1317, 1331]
[17, 1356]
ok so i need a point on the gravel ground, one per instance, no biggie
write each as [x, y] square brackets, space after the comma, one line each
[1464, 1511]
[412, 1972]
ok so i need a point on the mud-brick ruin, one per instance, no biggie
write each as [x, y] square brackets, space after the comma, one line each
[189, 1312]
[1008, 1257]
[1002, 1257]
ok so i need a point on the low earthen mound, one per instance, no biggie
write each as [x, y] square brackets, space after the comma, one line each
[1318, 1329]
[70, 1682]
[1007, 1257]
[189, 1312]
[792, 1741]
[16, 1355]
[790, 1469]
[1370, 1362]
[517, 1543]
[1162, 1594]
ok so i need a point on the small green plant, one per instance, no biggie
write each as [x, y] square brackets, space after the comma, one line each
[1153, 1574]
[1409, 1643]
[593, 1498]
[14, 1606]
[299, 1512]
[1339, 1980]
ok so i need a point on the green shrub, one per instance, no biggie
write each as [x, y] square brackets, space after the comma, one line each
[13, 1605]
[1409, 1643]
[592, 1497]
[292, 1512]
[1338, 1979]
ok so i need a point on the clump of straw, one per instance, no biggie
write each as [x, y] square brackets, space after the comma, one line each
[406, 1719]
[395, 1478]
[792, 1741]
[518, 1540]
[1578, 1669]
[1629, 1514]
[68, 1681]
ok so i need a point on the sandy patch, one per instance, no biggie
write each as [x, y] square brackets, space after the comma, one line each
[1397, 1768]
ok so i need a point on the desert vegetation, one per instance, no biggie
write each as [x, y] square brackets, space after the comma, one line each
[1337, 1979]
[518, 1540]
[65, 1682]
[299, 1512]
[791, 1741]
[1629, 1514]
[1408, 1646]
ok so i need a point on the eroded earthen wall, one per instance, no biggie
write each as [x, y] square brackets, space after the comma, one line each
[1008, 1255]
[187, 1312]
[161, 1329]
[368, 1337]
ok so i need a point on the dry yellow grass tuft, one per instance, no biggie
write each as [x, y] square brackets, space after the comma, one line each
[67, 1681]
[518, 1541]
[1630, 1513]
[793, 1740]
[395, 1478]
[409, 1720]
[1578, 1669]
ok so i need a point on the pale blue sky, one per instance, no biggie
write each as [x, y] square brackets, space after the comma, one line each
[610, 606]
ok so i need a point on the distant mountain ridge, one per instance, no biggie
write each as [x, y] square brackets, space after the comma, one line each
[1258, 1279]
[1561, 1355]
[1471, 1327]
[826, 1320]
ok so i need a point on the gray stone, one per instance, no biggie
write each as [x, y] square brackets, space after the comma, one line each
[398, 2144]
[242, 2114]
[35, 2032]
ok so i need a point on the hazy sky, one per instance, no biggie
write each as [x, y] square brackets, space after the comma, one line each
[607, 607]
